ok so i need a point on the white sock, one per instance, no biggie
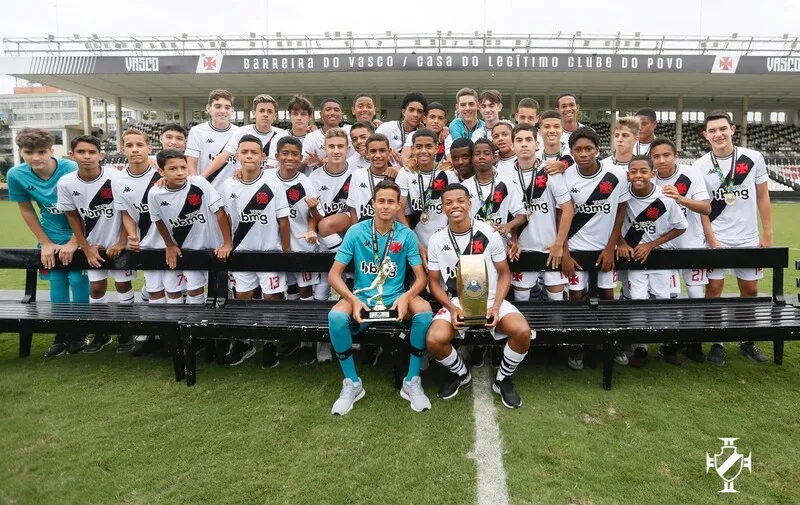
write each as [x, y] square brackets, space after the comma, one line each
[102, 299]
[522, 295]
[332, 242]
[307, 299]
[196, 299]
[126, 297]
[174, 301]
[511, 360]
[695, 291]
[292, 296]
[160, 301]
[555, 297]
[454, 363]
[145, 294]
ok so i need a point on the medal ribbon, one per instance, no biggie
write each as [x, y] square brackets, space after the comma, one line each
[379, 260]
[527, 196]
[427, 193]
[455, 244]
[484, 207]
[726, 181]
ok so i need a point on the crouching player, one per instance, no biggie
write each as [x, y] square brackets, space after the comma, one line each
[463, 235]
[368, 244]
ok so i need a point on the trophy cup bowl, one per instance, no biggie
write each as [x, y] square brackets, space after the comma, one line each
[472, 283]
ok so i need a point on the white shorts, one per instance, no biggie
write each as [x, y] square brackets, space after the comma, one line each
[302, 279]
[692, 277]
[118, 275]
[506, 308]
[271, 282]
[605, 280]
[171, 281]
[745, 274]
[643, 282]
[528, 280]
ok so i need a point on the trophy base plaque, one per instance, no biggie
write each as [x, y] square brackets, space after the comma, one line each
[473, 289]
[376, 316]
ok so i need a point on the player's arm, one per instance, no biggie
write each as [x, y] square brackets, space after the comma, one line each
[285, 232]
[503, 285]
[224, 222]
[173, 251]
[191, 164]
[606, 259]
[216, 164]
[90, 251]
[115, 250]
[129, 225]
[353, 216]
[642, 251]
[313, 204]
[764, 213]
[49, 249]
[401, 214]
[511, 226]
[708, 230]
[565, 214]
[439, 294]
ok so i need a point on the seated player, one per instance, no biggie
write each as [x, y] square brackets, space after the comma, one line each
[35, 180]
[369, 244]
[259, 213]
[359, 133]
[188, 215]
[652, 221]
[463, 235]
[87, 198]
[599, 193]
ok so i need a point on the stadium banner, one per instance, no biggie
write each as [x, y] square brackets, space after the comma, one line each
[496, 62]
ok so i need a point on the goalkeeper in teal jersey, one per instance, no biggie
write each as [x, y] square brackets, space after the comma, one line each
[35, 180]
[369, 245]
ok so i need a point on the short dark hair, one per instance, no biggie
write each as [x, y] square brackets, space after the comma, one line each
[714, 115]
[363, 95]
[87, 139]
[330, 100]
[462, 142]
[584, 132]
[503, 123]
[363, 124]
[528, 103]
[562, 95]
[663, 141]
[34, 138]
[482, 140]
[524, 127]
[492, 95]
[168, 154]
[387, 184]
[550, 114]
[642, 157]
[174, 127]
[648, 113]
[250, 138]
[377, 137]
[415, 96]
[437, 106]
[455, 186]
[300, 104]
[288, 139]
[425, 132]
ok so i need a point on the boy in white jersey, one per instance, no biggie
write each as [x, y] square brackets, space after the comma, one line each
[501, 138]
[313, 152]
[686, 186]
[460, 159]
[553, 152]
[131, 190]
[421, 190]
[363, 109]
[599, 193]
[87, 198]
[568, 106]
[736, 178]
[362, 185]
[413, 109]
[436, 121]
[527, 111]
[257, 207]
[301, 115]
[542, 196]
[647, 127]
[265, 110]
[464, 235]
[332, 184]
[490, 103]
[652, 221]
[359, 133]
[188, 214]
[208, 140]
[173, 136]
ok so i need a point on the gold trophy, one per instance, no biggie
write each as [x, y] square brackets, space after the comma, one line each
[472, 283]
[378, 310]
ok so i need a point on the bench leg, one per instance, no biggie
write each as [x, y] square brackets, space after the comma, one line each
[777, 352]
[190, 359]
[608, 364]
[25, 340]
[220, 350]
[176, 348]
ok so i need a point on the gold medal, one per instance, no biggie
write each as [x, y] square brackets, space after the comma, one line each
[425, 218]
[730, 198]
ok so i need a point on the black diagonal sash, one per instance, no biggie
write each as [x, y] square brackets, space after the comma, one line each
[97, 200]
[634, 236]
[581, 218]
[257, 203]
[179, 233]
[718, 204]
[144, 217]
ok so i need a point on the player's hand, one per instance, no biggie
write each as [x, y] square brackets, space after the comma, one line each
[457, 317]
[556, 253]
[357, 308]
[672, 192]
[66, 251]
[555, 167]
[237, 174]
[765, 240]
[133, 244]
[312, 160]
[312, 128]
[606, 260]
[491, 317]
[642, 251]
[392, 171]
[624, 251]
[310, 236]
[446, 164]
[312, 201]
[569, 265]
[443, 134]
[377, 122]
[401, 304]
[394, 158]
[116, 250]
[513, 250]
[223, 252]
[410, 164]
[48, 255]
[713, 243]
[173, 253]
[93, 257]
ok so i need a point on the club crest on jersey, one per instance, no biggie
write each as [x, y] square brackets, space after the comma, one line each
[541, 181]
[498, 196]
[682, 188]
[395, 247]
[652, 213]
[606, 187]
[262, 198]
[439, 184]
[194, 199]
[742, 168]
[477, 246]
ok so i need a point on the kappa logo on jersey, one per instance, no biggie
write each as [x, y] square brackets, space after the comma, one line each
[165, 203]
[190, 214]
[575, 190]
[102, 205]
[596, 203]
[645, 222]
[446, 248]
[744, 165]
[323, 188]
[233, 196]
[127, 189]
[209, 141]
[76, 193]
[253, 213]
[30, 189]
[363, 185]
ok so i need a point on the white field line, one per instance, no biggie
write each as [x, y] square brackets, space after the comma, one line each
[488, 450]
